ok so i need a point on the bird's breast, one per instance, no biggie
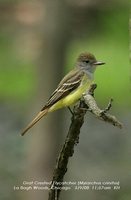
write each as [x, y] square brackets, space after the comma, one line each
[74, 96]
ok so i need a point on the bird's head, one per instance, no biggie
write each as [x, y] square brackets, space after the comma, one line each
[88, 62]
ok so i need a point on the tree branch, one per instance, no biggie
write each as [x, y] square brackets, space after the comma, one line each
[88, 103]
[101, 114]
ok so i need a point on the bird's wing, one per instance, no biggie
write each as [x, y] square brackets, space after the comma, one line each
[69, 83]
[66, 86]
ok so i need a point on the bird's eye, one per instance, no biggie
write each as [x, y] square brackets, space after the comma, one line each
[86, 61]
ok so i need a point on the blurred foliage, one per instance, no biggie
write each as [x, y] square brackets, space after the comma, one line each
[16, 75]
[110, 44]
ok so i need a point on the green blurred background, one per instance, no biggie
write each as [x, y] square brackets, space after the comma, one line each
[110, 42]
[39, 42]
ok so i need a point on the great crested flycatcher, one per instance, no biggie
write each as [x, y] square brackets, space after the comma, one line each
[71, 87]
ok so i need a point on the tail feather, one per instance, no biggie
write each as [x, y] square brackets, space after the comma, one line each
[35, 120]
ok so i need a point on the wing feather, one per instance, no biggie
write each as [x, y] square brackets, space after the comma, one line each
[69, 83]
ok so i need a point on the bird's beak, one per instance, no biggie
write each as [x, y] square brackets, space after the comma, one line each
[99, 63]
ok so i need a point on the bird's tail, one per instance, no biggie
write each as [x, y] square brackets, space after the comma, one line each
[35, 120]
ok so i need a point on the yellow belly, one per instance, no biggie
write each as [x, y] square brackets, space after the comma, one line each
[72, 98]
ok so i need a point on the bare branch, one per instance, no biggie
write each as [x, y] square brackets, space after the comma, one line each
[67, 151]
[72, 138]
[101, 114]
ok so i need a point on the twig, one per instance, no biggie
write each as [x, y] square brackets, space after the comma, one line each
[87, 104]
[101, 114]
[108, 106]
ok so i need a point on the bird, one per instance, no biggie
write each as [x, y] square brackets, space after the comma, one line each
[71, 87]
